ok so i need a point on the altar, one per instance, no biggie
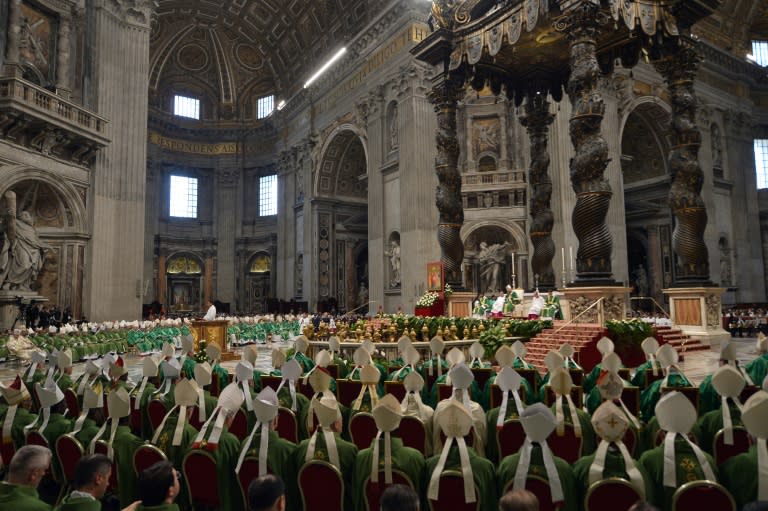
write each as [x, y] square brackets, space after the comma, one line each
[213, 332]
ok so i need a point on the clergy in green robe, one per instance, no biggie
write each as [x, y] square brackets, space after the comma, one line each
[57, 425]
[329, 416]
[539, 422]
[25, 471]
[297, 402]
[158, 487]
[456, 422]
[16, 415]
[186, 396]
[90, 484]
[604, 346]
[301, 344]
[125, 446]
[757, 369]
[651, 395]
[509, 382]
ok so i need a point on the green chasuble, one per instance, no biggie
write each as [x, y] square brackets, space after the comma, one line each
[711, 422]
[482, 473]
[304, 361]
[87, 432]
[638, 379]
[492, 442]
[57, 425]
[758, 369]
[651, 431]
[404, 459]
[188, 368]
[281, 462]
[588, 438]
[125, 445]
[590, 379]
[505, 475]
[687, 469]
[20, 498]
[78, 504]
[347, 456]
[614, 467]
[161, 507]
[526, 393]
[302, 408]
[226, 453]
[22, 418]
[223, 376]
[739, 476]
[64, 382]
[176, 453]
[651, 395]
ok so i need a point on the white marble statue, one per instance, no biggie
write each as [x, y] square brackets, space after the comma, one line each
[22, 254]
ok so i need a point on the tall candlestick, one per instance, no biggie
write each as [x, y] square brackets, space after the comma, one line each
[513, 264]
[562, 252]
[570, 249]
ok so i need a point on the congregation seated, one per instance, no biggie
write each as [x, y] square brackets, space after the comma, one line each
[92, 474]
[24, 474]
[461, 380]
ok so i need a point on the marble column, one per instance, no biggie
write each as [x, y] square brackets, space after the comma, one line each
[161, 282]
[587, 167]
[226, 220]
[208, 280]
[118, 178]
[536, 119]
[63, 85]
[444, 95]
[12, 67]
[679, 70]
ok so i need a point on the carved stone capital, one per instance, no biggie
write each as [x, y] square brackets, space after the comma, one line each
[133, 12]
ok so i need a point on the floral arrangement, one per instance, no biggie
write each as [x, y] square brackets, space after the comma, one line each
[428, 299]
[448, 291]
[200, 355]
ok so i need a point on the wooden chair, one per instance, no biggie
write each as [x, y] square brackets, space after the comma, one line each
[624, 373]
[539, 486]
[413, 433]
[702, 494]
[347, 391]
[362, 429]
[723, 452]
[568, 446]
[611, 493]
[373, 491]
[333, 370]
[650, 377]
[156, 411]
[199, 468]
[69, 451]
[146, 456]
[287, 425]
[396, 388]
[510, 437]
[34, 437]
[321, 486]
[444, 391]
[239, 426]
[450, 494]
[102, 448]
[73, 406]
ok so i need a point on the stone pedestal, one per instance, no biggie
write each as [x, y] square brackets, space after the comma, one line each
[697, 312]
[576, 302]
[9, 306]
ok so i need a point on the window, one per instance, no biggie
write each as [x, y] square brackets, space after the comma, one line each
[183, 197]
[268, 195]
[761, 162]
[760, 52]
[265, 106]
[186, 107]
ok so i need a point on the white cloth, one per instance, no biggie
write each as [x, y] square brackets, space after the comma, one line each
[537, 303]
[211, 314]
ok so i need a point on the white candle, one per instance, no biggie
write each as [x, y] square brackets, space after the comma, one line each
[562, 252]
[513, 264]
[570, 249]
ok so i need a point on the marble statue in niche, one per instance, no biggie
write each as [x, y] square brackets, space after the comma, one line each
[22, 253]
[394, 262]
[393, 130]
[492, 257]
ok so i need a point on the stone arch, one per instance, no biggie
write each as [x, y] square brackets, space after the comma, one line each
[514, 232]
[645, 140]
[493, 232]
[344, 158]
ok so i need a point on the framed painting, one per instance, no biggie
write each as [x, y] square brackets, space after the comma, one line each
[435, 276]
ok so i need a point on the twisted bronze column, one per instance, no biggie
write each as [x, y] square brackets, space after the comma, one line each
[444, 95]
[593, 193]
[537, 119]
[679, 70]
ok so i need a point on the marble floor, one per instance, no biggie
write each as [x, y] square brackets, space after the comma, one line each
[696, 365]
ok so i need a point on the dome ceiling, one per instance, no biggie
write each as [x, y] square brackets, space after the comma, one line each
[232, 51]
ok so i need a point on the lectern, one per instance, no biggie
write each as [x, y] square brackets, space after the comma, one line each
[213, 332]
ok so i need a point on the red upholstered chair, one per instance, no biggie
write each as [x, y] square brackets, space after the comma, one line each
[156, 410]
[73, 406]
[413, 433]
[568, 446]
[362, 429]
[270, 381]
[444, 391]
[249, 471]
[146, 456]
[333, 370]
[347, 391]
[202, 482]
[134, 420]
[539, 487]
[102, 448]
[239, 426]
[611, 493]
[702, 495]
[321, 486]
[630, 396]
[450, 494]
[630, 441]
[35, 438]
[747, 392]
[287, 425]
[510, 437]
[373, 491]
[69, 451]
[396, 388]
[194, 419]
[723, 452]
[307, 389]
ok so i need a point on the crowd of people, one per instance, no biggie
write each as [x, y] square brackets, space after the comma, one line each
[490, 443]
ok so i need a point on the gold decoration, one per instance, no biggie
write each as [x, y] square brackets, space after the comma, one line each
[262, 263]
[183, 264]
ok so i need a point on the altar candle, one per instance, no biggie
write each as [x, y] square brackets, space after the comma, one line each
[513, 264]
[562, 252]
[570, 250]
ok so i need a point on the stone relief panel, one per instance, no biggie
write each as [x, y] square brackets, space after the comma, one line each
[485, 137]
[714, 311]
[37, 43]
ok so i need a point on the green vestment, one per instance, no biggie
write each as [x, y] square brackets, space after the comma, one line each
[492, 442]
[226, 453]
[281, 462]
[347, 456]
[711, 422]
[22, 418]
[78, 504]
[614, 467]
[125, 445]
[20, 498]
[739, 475]
[757, 369]
[482, 473]
[651, 395]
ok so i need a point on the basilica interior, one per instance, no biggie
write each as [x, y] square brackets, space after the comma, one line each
[322, 195]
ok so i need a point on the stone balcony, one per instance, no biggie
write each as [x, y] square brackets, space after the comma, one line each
[40, 120]
[499, 189]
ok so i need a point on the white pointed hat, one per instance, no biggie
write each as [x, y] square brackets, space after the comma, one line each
[403, 343]
[203, 374]
[728, 351]
[368, 346]
[149, 367]
[361, 356]
[265, 406]
[667, 356]
[250, 355]
[93, 396]
[650, 346]
[728, 381]
[538, 421]
[213, 352]
[244, 371]
[566, 350]
[369, 374]
[119, 403]
[508, 379]
[16, 392]
[413, 382]
[320, 381]
[461, 376]
[675, 413]
[334, 344]
[754, 414]
[231, 398]
[185, 392]
[50, 394]
[171, 368]
[610, 386]
[610, 422]
[301, 343]
[187, 343]
[762, 343]
[322, 358]
[611, 362]
[291, 370]
[561, 382]
[604, 345]
[505, 356]
[455, 357]
[168, 350]
[437, 345]
[64, 358]
[411, 356]
[455, 420]
[554, 360]
[387, 413]
[327, 411]
[476, 350]
[519, 349]
[278, 358]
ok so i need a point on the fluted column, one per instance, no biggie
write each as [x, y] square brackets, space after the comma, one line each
[12, 41]
[587, 168]
[679, 70]
[536, 119]
[444, 96]
[63, 86]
